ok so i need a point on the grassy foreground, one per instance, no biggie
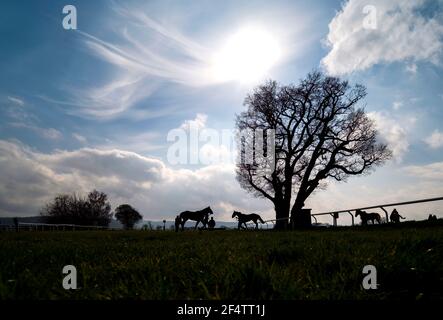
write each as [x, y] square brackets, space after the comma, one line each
[318, 264]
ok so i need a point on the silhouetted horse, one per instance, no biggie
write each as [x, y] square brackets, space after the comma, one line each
[366, 216]
[199, 216]
[243, 218]
[395, 216]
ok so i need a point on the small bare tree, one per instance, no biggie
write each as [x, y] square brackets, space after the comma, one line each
[95, 209]
[320, 133]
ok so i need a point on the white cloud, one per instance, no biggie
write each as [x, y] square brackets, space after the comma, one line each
[79, 137]
[397, 105]
[402, 34]
[17, 101]
[394, 131]
[433, 171]
[142, 143]
[411, 68]
[435, 140]
[30, 178]
[48, 133]
[20, 117]
[199, 122]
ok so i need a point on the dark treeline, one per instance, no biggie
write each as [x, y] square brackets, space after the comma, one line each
[92, 210]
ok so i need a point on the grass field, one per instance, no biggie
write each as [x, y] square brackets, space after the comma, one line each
[317, 264]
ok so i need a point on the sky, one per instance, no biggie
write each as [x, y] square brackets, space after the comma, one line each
[96, 106]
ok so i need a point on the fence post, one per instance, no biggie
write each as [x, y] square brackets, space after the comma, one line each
[352, 216]
[334, 218]
[386, 213]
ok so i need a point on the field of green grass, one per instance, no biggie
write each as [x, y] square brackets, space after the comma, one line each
[317, 264]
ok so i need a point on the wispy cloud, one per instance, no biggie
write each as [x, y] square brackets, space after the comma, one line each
[79, 137]
[142, 143]
[141, 65]
[20, 117]
[432, 171]
[177, 58]
[412, 68]
[148, 53]
[397, 105]
[16, 101]
[48, 133]
[435, 140]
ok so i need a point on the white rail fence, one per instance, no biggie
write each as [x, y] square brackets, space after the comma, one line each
[336, 214]
[25, 226]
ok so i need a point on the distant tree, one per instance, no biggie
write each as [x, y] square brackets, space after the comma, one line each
[72, 209]
[320, 133]
[127, 215]
[99, 207]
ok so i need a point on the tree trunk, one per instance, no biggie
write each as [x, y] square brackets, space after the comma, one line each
[297, 208]
[282, 215]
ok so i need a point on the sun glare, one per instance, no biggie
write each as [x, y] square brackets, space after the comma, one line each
[246, 56]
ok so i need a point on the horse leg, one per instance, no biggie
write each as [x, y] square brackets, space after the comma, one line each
[239, 225]
[256, 224]
[183, 224]
[198, 221]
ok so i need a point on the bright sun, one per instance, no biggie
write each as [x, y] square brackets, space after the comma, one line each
[246, 56]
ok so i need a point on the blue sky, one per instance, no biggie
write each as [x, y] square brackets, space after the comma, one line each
[92, 107]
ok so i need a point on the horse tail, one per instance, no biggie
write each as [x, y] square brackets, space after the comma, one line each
[260, 219]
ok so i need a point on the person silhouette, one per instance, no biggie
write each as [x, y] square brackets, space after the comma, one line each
[177, 223]
[211, 223]
[395, 216]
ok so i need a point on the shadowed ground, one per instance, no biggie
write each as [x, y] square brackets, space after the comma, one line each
[317, 264]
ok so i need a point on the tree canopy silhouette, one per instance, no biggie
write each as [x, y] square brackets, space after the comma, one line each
[127, 215]
[72, 209]
[320, 133]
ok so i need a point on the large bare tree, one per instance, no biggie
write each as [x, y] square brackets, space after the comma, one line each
[320, 132]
